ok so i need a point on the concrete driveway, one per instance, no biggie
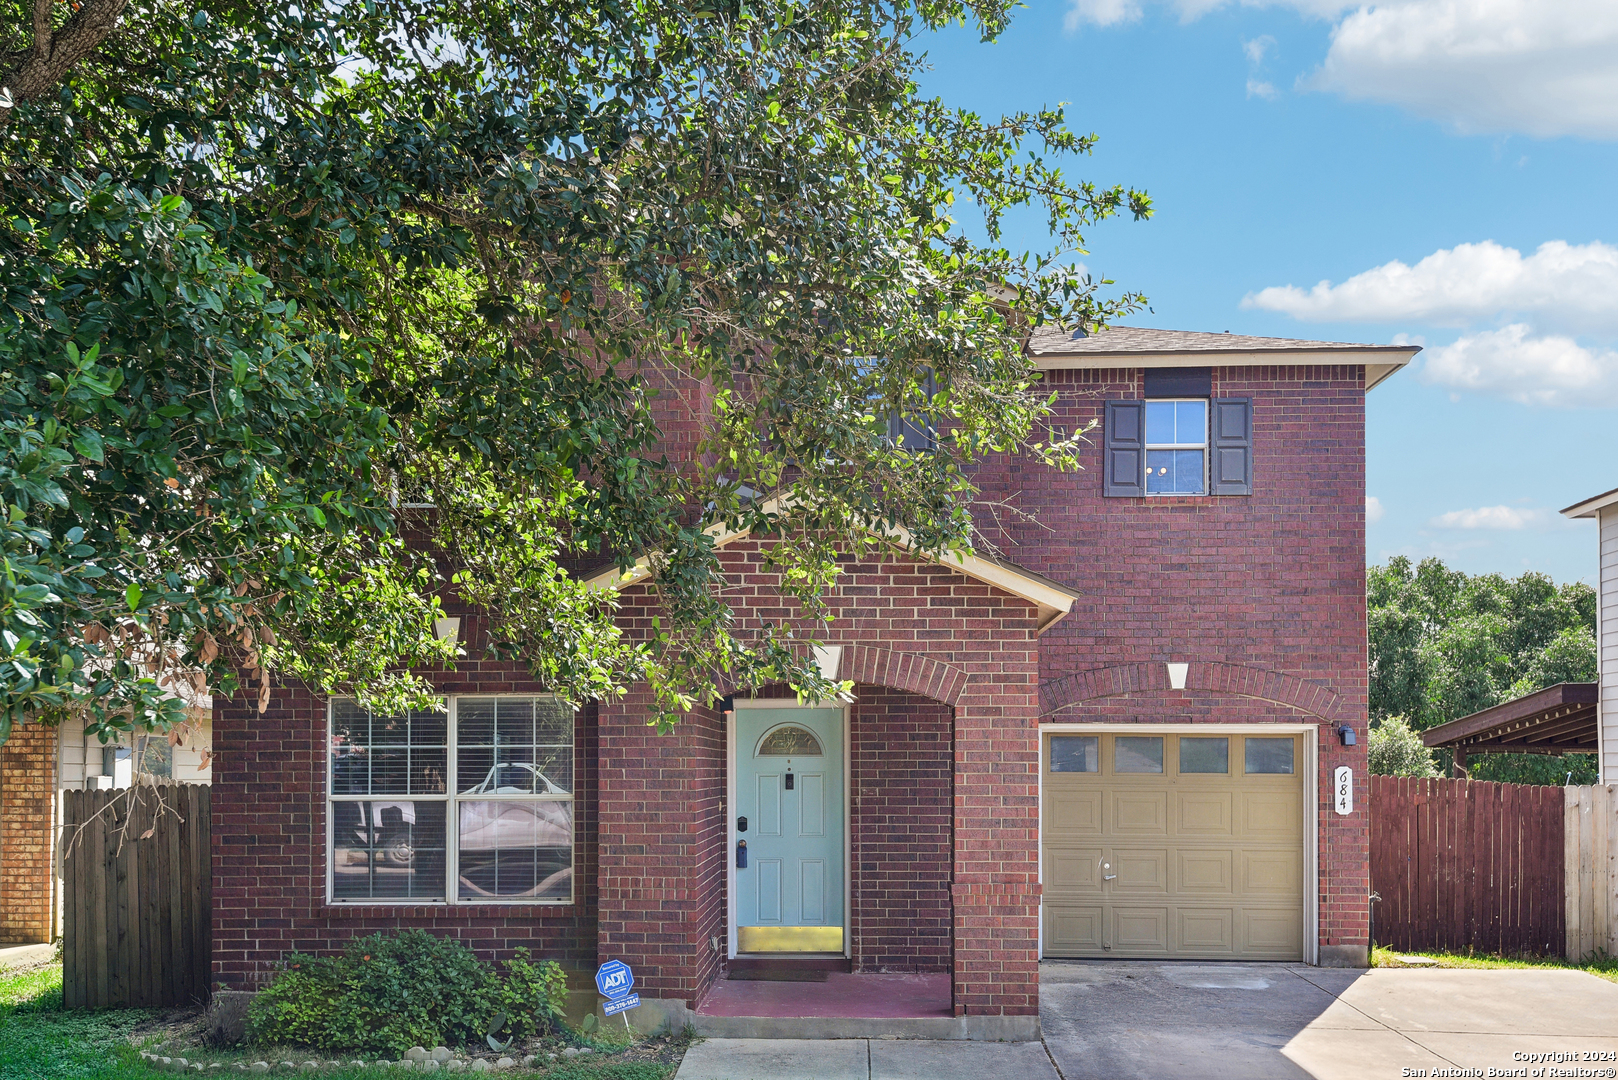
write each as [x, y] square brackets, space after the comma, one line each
[1122, 1020]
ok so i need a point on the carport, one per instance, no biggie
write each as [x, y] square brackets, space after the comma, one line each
[1559, 719]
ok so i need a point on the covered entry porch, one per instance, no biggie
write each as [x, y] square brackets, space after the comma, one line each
[916, 864]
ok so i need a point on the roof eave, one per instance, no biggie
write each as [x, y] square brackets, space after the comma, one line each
[1561, 695]
[1592, 507]
[1052, 601]
[1380, 361]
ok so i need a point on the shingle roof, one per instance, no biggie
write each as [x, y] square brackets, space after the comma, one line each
[1113, 340]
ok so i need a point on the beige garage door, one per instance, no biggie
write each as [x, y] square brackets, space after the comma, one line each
[1174, 845]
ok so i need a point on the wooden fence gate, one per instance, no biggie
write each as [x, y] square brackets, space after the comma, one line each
[1591, 855]
[136, 925]
[1467, 865]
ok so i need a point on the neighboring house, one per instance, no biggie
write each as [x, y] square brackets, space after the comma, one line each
[37, 764]
[1123, 743]
[1568, 717]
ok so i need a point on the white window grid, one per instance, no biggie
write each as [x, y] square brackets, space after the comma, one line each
[450, 800]
[1207, 421]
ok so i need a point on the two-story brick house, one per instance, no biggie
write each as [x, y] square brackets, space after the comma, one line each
[1119, 737]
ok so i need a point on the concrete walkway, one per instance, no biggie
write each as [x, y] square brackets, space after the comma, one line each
[863, 1059]
[16, 956]
[1123, 1020]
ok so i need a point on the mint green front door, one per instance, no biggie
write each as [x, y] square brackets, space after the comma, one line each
[789, 788]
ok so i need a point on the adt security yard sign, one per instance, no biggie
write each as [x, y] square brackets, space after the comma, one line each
[615, 981]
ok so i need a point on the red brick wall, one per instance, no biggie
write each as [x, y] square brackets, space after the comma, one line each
[902, 760]
[1264, 595]
[270, 856]
[663, 848]
[907, 625]
[27, 798]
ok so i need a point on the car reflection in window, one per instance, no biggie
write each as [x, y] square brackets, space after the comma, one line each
[515, 778]
[515, 848]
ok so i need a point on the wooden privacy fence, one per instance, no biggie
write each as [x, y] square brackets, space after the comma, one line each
[1467, 865]
[136, 920]
[1591, 838]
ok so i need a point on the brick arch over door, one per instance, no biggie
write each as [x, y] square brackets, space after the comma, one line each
[1206, 676]
[912, 672]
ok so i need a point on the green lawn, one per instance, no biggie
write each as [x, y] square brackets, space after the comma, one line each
[39, 1040]
[1601, 965]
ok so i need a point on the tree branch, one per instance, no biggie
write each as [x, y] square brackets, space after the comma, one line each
[32, 73]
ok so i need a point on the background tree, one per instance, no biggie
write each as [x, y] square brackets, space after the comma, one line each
[1445, 644]
[275, 274]
[1395, 749]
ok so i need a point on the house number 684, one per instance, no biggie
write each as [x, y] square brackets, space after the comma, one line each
[1345, 789]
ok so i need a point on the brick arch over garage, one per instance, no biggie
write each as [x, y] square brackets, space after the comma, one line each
[1201, 676]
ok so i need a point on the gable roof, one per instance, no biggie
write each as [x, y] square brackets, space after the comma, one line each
[1053, 600]
[1139, 346]
[1592, 506]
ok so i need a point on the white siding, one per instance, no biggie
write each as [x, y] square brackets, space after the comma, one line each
[80, 754]
[1607, 644]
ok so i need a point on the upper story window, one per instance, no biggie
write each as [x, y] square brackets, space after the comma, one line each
[1177, 447]
[470, 805]
[1180, 440]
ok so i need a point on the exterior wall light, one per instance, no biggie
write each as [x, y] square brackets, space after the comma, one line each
[1346, 734]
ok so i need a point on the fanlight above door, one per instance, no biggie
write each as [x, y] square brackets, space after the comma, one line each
[788, 740]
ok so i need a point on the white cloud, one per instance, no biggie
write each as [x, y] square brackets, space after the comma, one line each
[1534, 67]
[1100, 13]
[1511, 363]
[1538, 67]
[1373, 510]
[1112, 12]
[1565, 286]
[1495, 517]
[1255, 51]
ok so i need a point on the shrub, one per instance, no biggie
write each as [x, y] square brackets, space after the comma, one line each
[391, 993]
[1395, 750]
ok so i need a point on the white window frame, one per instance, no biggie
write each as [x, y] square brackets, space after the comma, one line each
[450, 800]
[1148, 447]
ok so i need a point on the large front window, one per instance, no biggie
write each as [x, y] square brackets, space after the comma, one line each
[503, 831]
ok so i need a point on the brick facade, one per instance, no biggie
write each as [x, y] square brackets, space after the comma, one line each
[27, 804]
[270, 848]
[902, 834]
[904, 625]
[1263, 595]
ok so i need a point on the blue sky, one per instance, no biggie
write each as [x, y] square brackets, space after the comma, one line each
[1420, 156]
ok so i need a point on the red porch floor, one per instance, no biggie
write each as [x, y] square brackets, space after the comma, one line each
[876, 997]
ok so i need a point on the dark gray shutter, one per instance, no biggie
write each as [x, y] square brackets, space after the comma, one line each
[1124, 452]
[1231, 445]
[919, 431]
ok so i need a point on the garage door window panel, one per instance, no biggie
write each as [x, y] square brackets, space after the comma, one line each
[1269, 756]
[1204, 755]
[1075, 753]
[1137, 754]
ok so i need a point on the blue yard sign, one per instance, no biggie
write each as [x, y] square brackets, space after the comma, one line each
[615, 980]
[623, 1004]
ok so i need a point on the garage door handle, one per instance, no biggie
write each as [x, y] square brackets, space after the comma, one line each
[1108, 877]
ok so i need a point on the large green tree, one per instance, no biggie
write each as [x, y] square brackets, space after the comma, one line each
[275, 274]
[1445, 644]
